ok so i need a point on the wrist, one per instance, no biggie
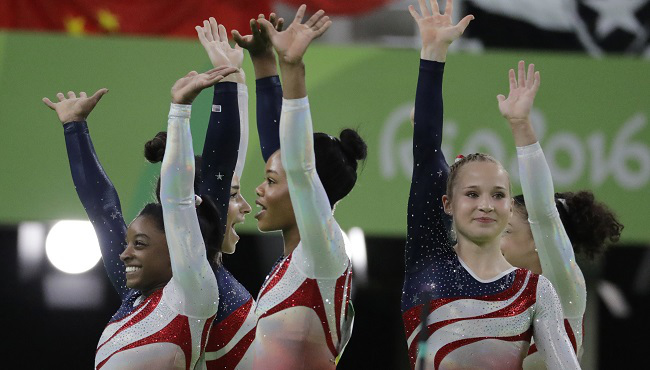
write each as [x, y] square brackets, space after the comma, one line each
[238, 77]
[436, 53]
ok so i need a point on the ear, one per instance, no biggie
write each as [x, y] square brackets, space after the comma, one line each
[446, 204]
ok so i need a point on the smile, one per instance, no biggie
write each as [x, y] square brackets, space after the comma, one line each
[132, 269]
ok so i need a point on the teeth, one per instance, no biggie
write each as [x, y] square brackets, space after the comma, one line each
[132, 268]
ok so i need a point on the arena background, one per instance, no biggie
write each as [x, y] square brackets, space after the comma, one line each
[592, 115]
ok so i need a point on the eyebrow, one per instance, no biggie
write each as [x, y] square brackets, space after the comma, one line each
[236, 187]
[141, 235]
[477, 187]
[267, 171]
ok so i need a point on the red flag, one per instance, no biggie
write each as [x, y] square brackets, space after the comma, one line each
[152, 17]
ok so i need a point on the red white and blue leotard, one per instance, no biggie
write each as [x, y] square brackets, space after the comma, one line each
[302, 306]
[224, 152]
[470, 323]
[553, 247]
[169, 328]
[102, 204]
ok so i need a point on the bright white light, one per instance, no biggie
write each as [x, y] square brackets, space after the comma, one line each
[72, 246]
[31, 248]
[355, 247]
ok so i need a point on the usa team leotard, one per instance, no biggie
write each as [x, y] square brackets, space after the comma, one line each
[471, 322]
[101, 202]
[169, 328]
[302, 305]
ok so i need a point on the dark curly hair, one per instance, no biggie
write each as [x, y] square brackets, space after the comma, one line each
[590, 225]
[337, 161]
[207, 212]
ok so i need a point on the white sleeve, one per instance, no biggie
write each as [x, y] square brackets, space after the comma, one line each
[242, 99]
[193, 283]
[553, 246]
[548, 329]
[321, 253]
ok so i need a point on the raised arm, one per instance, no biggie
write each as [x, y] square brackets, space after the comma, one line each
[427, 223]
[95, 190]
[548, 329]
[224, 151]
[267, 82]
[193, 281]
[322, 254]
[551, 240]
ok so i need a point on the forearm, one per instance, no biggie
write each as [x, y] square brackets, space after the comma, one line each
[322, 254]
[554, 248]
[523, 132]
[221, 145]
[268, 110]
[293, 80]
[265, 65]
[242, 100]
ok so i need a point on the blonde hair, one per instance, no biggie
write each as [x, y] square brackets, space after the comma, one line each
[463, 160]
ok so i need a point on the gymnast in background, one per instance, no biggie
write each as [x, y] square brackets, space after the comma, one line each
[548, 228]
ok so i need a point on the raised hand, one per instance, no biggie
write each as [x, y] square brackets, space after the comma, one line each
[214, 39]
[258, 43]
[436, 29]
[186, 89]
[291, 44]
[516, 108]
[72, 108]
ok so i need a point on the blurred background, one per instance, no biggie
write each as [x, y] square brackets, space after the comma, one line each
[591, 113]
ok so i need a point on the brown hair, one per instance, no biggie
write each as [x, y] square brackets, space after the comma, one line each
[590, 225]
[461, 161]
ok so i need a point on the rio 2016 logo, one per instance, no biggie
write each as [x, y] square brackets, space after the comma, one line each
[592, 158]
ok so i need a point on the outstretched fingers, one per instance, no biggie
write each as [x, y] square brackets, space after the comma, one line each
[463, 23]
[424, 10]
[315, 18]
[300, 14]
[49, 103]
[449, 7]
[530, 76]
[322, 25]
[414, 13]
[521, 75]
[60, 96]
[71, 95]
[97, 95]
[513, 81]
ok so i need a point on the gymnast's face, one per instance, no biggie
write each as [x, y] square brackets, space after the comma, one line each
[237, 210]
[517, 243]
[273, 198]
[146, 257]
[481, 205]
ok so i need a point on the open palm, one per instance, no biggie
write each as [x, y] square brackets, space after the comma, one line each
[214, 39]
[72, 108]
[291, 44]
[436, 28]
[522, 93]
[187, 88]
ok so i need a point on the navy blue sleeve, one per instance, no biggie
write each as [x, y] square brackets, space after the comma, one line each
[268, 93]
[220, 148]
[428, 224]
[100, 200]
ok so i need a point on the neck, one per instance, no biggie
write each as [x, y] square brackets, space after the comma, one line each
[150, 291]
[535, 266]
[291, 238]
[485, 259]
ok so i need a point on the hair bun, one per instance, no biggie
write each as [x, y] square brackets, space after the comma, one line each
[353, 145]
[154, 149]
